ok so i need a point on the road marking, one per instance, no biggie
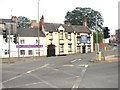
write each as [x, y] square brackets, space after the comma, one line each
[44, 81]
[76, 60]
[79, 79]
[27, 84]
[25, 73]
[13, 78]
[37, 68]
[68, 65]
[80, 59]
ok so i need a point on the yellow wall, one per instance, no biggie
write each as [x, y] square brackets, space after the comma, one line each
[65, 41]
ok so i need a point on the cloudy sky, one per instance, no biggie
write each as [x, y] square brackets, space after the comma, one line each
[54, 11]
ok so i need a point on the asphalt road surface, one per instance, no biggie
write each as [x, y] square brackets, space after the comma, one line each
[71, 71]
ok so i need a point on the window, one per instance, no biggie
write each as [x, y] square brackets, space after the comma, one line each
[22, 52]
[38, 51]
[61, 35]
[69, 36]
[61, 47]
[36, 41]
[78, 39]
[88, 39]
[50, 35]
[78, 49]
[30, 52]
[22, 41]
[69, 47]
[89, 49]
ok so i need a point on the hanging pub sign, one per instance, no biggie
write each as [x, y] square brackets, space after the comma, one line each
[83, 39]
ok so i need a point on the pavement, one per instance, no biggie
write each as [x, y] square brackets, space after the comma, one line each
[110, 58]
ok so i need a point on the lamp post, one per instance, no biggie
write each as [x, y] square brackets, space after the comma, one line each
[38, 32]
[97, 44]
[98, 52]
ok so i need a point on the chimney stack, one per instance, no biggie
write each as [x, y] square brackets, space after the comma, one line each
[14, 19]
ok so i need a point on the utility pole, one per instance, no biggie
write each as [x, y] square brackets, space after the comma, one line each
[97, 43]
[38, 31]
[98, 53]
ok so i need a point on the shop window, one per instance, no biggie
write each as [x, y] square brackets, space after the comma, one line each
[22, 52]
[30, 52]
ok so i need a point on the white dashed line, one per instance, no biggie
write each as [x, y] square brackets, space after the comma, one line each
[76, 60]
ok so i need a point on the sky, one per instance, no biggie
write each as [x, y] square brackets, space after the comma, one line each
[54, 11]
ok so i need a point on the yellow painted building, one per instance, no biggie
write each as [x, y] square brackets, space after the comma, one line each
[63, 39]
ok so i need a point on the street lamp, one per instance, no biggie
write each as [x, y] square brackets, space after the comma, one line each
[97, 44]
[38, 31]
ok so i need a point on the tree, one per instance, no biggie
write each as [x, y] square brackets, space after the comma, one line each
[79, 15]
[23, 21]
[100, 37]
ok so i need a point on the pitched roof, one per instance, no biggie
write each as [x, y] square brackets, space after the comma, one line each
[51, 27]
[30, 32]
[6, 21]
[68, 28]
[80, 29]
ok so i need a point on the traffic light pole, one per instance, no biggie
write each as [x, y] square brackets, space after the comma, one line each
[9, 46]
[18, 46]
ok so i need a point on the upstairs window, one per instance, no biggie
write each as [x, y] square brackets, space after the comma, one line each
[69, 36]
[50, 35]
[78, 39]
[61, 35]
[22, 41]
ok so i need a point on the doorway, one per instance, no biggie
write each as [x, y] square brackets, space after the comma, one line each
[50, 50]
[84, 49]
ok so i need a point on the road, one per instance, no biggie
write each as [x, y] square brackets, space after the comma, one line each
[71, 71]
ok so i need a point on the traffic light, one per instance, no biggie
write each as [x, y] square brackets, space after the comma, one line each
[4, 32]
[106, 32]
[15, 38]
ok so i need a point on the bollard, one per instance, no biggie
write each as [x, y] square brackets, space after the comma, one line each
[98, 56]
[104, 48]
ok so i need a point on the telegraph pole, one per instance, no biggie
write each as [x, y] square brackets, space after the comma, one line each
[97, 43]
[38, 31]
